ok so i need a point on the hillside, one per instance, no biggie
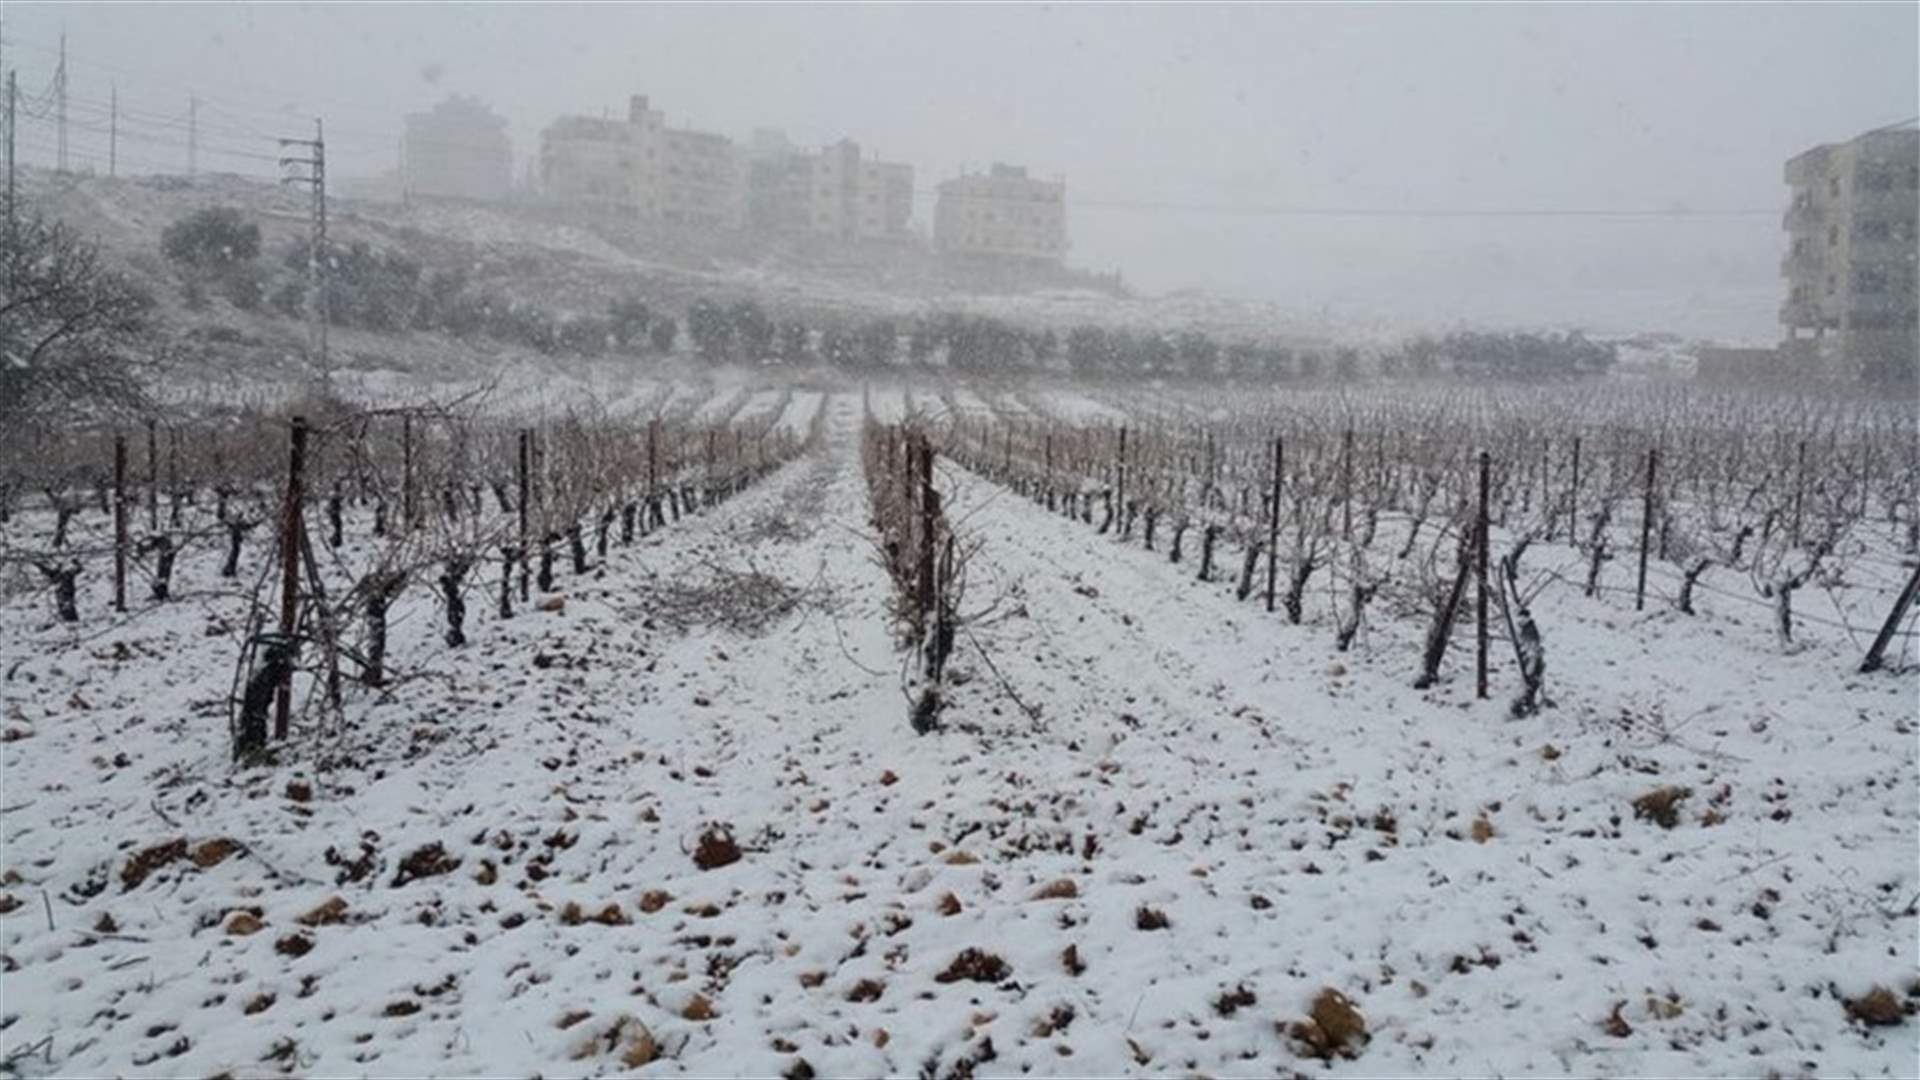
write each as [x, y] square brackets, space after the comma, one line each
[562, 270]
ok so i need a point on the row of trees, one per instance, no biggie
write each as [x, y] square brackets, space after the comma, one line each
[1520, 357]
[389, 292]
[217, 251]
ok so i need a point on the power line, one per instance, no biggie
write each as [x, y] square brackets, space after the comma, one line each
[1259, 210]
[378, 142]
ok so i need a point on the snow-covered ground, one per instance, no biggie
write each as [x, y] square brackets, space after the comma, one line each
[800, 411]
[1172, 818]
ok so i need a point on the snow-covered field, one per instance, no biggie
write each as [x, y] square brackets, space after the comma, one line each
[1171, 819]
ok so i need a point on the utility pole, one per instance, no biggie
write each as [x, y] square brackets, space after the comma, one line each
[13, 100]
[60, 97]
[316, 178]
[193, 135]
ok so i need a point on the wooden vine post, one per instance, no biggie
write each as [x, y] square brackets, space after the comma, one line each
[1049, 474]
[406, 468]
[119, 522]
[290, 530]
[1346, 484]
[1120, 483]
[929, 509]
[1206, 490]
[1273, 523]
[1573, 501]
[173, 475]
[521, 466]
[1799, 491]
[1480, 582]
[1877, 655]
[153, 479]
[1646, 530]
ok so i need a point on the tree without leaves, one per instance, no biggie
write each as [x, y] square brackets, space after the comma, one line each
[68, 325]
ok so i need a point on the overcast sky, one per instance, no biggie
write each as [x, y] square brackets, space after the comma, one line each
[1183, 132]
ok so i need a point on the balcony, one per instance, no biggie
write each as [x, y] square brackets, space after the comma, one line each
[1803, 218]
[1803, 314]
[1801, 264]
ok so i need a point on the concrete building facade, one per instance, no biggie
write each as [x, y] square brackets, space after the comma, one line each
[457, 150]
[858, 199]
[637, 167]
[702, 180]
[836, 192]
[602, 165]
[1852, 250]
[1002, 213]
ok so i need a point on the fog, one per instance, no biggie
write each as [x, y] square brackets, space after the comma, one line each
[1612, 167]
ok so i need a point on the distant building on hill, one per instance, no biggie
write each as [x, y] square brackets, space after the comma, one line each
[637, 167]
[702, 179]
[836, 192]
[457, 150]
[1002, 213]
[1850, 265]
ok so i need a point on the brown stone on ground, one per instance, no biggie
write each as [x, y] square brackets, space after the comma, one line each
[974, 965]
[716, 848]
[147, 860]
[243, 923]
[329, 912]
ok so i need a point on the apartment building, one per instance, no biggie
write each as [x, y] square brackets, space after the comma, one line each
[457, 150]
[859, 199]
[836, 192]
[1850, 311]
[637, 167]
[1002, 213]
[702, 180]
[603, 165]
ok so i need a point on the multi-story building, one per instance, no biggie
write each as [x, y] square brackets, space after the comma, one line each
[457, 150]
[1002, 213]
[1850, 265]
[602, 165]
[835, 192]
[856, 199]
[780, 192]
[640, 168]
[702, 180]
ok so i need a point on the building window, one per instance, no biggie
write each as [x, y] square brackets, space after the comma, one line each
[1833, 284]
[1833, 235]
[1833, 187]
